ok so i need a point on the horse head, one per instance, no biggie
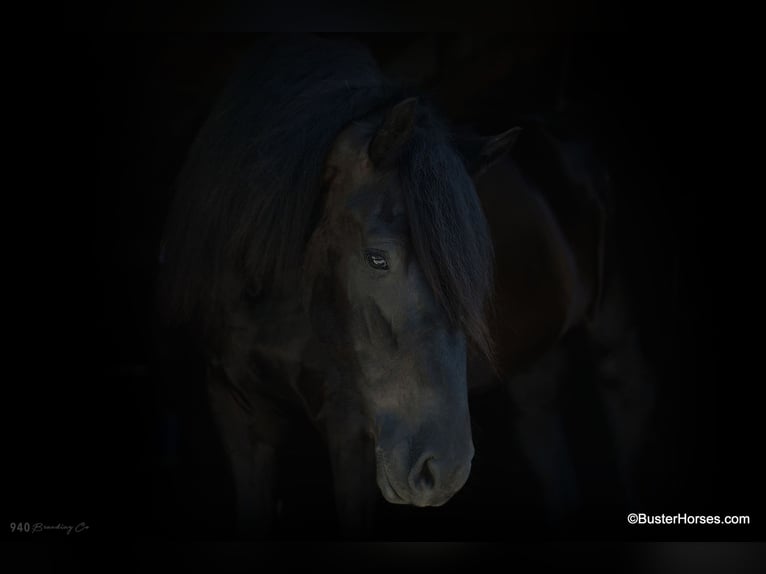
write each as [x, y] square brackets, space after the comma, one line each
[399, 271]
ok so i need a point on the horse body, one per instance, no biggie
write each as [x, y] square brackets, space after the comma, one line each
[569, 351]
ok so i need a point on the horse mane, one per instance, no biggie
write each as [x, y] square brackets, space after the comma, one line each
[247, 196]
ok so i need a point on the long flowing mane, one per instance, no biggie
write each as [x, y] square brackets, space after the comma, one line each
[246, 199]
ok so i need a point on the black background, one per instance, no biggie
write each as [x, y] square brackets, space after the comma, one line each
[101, 129]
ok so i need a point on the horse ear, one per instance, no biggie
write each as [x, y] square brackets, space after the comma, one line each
[393, 133]
[480, 153]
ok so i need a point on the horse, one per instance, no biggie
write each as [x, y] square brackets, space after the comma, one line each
[569, 347]
[328, 252]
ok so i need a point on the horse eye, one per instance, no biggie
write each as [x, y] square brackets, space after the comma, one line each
[376, 260]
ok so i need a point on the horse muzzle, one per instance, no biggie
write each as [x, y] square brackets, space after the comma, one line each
[431, 480]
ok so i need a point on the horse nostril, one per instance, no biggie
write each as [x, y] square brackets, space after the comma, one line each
[424, 476]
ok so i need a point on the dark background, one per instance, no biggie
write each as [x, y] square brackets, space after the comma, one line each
[96, 434]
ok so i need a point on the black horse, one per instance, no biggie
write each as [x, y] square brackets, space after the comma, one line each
[568, 339]
[327, 249]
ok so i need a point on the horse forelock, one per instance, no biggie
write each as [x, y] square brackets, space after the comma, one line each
[448, 230]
